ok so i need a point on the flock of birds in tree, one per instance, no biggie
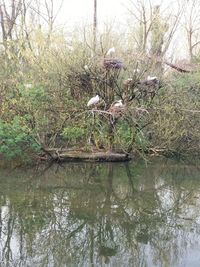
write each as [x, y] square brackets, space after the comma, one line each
[119, 103]
[94, 100]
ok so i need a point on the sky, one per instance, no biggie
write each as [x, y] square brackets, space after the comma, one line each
[76, 11]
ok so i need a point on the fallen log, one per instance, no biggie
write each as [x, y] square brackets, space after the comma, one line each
[96, 156]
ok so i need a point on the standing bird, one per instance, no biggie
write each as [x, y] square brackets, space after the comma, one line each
[152, 78]
[93, 101]
[118, 103]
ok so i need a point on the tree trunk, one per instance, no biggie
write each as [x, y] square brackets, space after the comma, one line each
[95, 26]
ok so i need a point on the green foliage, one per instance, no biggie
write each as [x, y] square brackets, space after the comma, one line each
[73, 134]
[124, 135]
[129, 137]
[34, 95]
[16, 141]
[141, 142]
[175, 124]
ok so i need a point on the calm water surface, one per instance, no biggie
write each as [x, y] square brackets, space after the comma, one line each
[83, 214]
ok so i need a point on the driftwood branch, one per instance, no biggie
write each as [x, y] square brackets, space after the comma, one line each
[180, 69]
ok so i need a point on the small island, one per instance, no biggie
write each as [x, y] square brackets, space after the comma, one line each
[96, 94]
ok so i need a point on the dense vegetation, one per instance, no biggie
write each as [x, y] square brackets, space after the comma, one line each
[45, 84]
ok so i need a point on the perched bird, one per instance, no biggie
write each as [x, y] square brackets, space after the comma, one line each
[116, 108]
[118, 103]
[93, 101]
[136, 71]
[151, 78]
[86, 68]
[110, 51]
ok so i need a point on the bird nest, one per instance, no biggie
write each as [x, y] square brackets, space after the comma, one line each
[112, 64]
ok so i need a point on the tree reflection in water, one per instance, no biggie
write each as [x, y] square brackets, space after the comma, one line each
[100, 215]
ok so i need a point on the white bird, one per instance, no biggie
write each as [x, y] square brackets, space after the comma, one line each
[151, 78]
[118, 103]
[110, 51]
[93, 101]
[136, 71]
[86, 68]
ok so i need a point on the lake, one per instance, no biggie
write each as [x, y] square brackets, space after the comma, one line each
[110, 214]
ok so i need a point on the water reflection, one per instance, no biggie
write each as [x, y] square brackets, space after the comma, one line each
[101, 215]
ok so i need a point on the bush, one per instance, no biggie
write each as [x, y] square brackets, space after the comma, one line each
[73, 134]
[16, 141]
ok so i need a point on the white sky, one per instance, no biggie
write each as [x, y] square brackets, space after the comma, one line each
[76, 11]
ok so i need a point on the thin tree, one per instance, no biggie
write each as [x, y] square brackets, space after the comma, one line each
[154, 26]
[95, 25]
[192, 28]
[9, 12]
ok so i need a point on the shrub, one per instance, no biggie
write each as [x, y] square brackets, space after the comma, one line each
[16, 141]
[73, 134]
